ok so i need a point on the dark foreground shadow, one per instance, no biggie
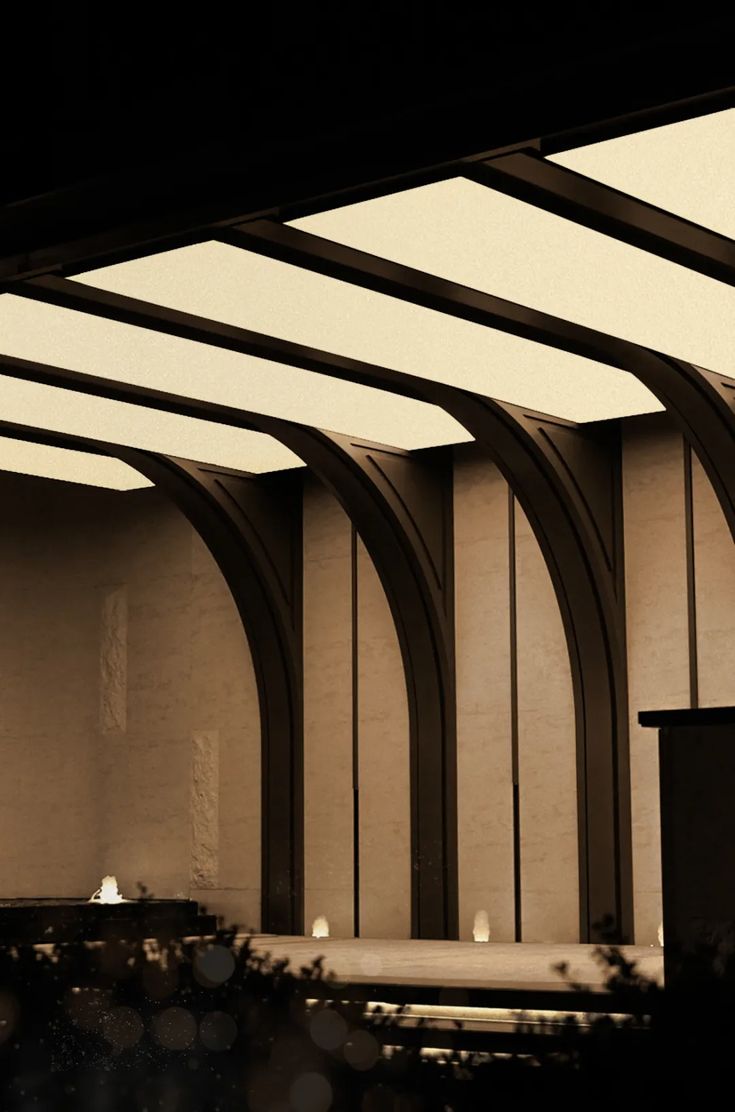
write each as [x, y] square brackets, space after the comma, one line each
[187, 1026]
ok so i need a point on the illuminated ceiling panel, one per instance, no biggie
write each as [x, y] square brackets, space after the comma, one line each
[47, 407]
[68, 465]
[687, 168]
[229, 285]
[473, 235]
[456, 229]
[80, 342]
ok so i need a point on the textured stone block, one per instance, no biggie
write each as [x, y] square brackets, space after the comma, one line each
[114, 661]
[205, 810]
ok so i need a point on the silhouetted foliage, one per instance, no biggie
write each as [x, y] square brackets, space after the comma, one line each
[194, 1026]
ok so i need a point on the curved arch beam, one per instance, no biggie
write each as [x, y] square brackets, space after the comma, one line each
[254, 535]
[400, 508]
[563, 477]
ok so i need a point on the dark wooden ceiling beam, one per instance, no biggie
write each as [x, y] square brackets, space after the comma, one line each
[566, 193]
[430, 291]
[699, 400]
[82, 298]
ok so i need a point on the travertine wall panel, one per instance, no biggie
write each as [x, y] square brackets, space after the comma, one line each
[119, 642]
[484, 766]
[714, 569]
[383, 747]
[225, 700]
[49, 705]
[328, 831]
[546, 754]
[657, 633]
[146, 771]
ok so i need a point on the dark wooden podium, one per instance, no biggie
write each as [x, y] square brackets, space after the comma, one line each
[697, 785]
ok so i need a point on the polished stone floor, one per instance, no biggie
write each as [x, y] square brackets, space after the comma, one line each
[468, 964]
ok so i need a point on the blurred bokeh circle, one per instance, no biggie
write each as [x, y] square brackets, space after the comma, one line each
[213, 966]
[361, 1050]
[175, 1028]
[310, 1092]
[218, 1031]
[328, 1029]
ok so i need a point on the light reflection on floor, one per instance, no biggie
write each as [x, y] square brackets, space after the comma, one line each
[527, 965]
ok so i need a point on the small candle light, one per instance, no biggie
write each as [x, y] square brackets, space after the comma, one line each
[108, 893]
[320, 927]
[481, 928]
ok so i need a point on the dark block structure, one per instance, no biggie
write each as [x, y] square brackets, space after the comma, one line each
[56, 920]
[697, 785]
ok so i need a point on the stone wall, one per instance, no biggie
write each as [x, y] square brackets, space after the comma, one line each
[129, 723]
[129, 727]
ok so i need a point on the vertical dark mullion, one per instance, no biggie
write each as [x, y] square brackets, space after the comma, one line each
[622, 787]
[514, 715]
[355, 751]
[450, 801]
[691, 583]
[297, 591]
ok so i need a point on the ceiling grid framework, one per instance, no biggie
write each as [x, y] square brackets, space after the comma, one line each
[456, 229]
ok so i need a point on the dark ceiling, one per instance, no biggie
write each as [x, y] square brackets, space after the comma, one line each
[167, 123]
